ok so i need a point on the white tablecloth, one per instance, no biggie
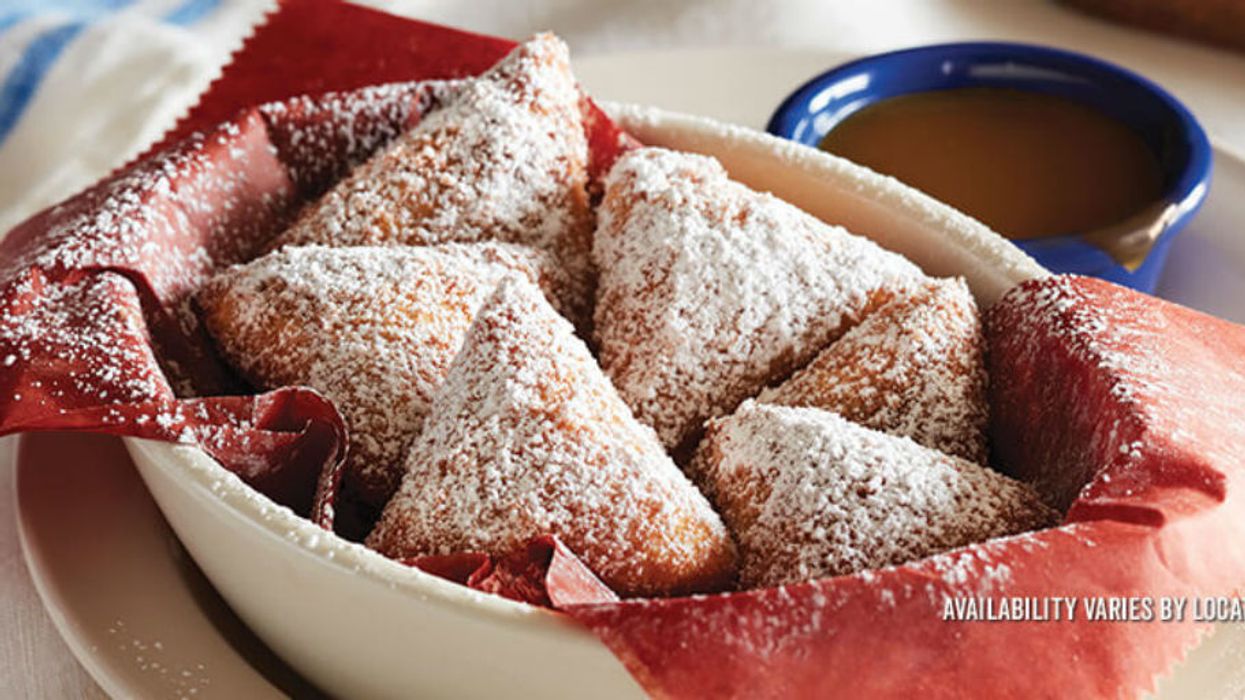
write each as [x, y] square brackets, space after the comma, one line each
[83, 91]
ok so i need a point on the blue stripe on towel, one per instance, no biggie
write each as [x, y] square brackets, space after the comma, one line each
[14, 11]
[20, 85]
[21, 82]
[191, 11]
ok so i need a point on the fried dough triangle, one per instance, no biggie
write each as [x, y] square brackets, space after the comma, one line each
[505, 159]
[710, 291]
[374, 329]
[808, 494]
[527, 437]
[913, 368]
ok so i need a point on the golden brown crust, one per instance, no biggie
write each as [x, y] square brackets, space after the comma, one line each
[504, 160]
[527, 438]
[710, 291]
[914, 368]
[808, 494]
[373, 329]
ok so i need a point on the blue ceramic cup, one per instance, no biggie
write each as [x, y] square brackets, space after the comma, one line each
[1164, 124]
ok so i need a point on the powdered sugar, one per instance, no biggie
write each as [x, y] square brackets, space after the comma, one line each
[1135, 374]
[808, 494]
[374, 329]
[505, 159]
[710, 291]
[321, 137]
[527, 437]
[93, 328]
[168, 221]
[912, 368]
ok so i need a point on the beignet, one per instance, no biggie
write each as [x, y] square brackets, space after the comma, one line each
[913, 368]
[527, 437]
[505, 159]
[808, 494]
[374, 329]
[710, 291]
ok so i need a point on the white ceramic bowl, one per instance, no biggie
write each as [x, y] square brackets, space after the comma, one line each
[359, 625]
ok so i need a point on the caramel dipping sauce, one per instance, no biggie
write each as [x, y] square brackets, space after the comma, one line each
[1026, 164]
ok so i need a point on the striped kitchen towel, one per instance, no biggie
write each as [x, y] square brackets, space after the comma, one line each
[87, 84]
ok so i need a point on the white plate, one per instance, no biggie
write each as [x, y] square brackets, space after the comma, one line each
[130, 603]
[137, 574]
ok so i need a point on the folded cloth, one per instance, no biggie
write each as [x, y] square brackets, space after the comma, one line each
[85, 85]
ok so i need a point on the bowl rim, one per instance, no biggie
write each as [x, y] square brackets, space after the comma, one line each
[1187, 188]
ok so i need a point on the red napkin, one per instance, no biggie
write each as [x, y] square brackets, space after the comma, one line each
[544, 573]
[93, 297]
[1090, 383]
